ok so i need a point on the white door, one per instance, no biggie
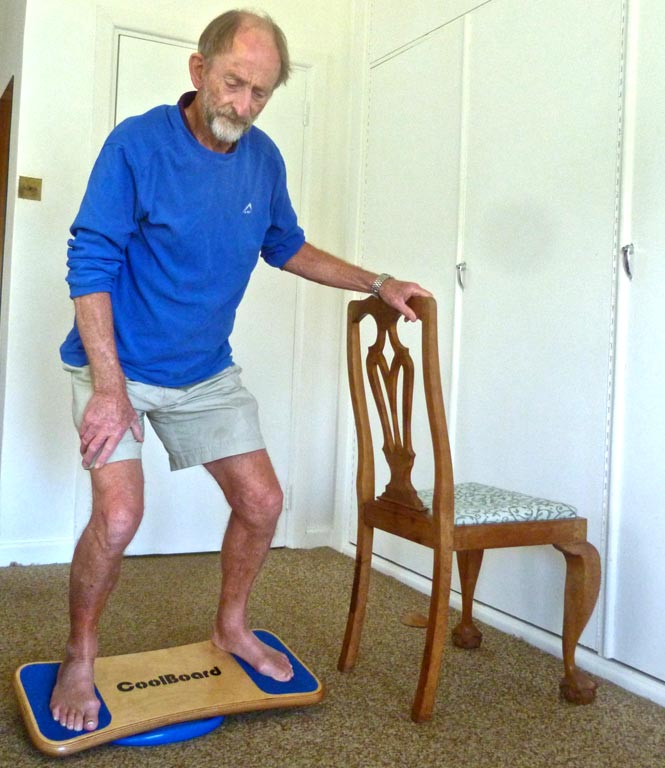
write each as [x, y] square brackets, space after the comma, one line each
[185, 511]
[539, 224]
[636, 619]
[517, 142]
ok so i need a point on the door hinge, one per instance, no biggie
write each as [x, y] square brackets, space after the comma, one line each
[288, 494]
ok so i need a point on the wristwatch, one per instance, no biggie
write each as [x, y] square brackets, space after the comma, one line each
[378, 282]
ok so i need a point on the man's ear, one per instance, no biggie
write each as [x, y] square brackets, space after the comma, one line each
[196, 67]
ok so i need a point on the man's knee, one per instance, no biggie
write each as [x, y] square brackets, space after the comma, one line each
[272, 500]
[250, 486]
[121, 527]
[117, 507]
[262, 501]
[258, 506]
[114, 526]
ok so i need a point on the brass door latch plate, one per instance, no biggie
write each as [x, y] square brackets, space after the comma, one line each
[29, 188]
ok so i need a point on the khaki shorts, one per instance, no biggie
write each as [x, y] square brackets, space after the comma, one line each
[204, 422]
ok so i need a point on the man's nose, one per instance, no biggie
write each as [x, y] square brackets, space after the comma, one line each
[243, 103]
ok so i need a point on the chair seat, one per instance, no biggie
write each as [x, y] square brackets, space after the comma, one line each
[477, 504]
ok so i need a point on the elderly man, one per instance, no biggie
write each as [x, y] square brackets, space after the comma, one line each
[161, 253]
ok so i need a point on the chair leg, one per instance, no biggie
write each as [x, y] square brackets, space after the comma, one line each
[466, 634]
[354, 623]
[437, 627]
[581, 593]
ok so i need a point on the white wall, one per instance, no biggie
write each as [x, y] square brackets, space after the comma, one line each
[57, 139]
[12, 20]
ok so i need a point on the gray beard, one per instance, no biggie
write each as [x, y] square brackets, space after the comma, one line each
[224, 123]
[226, 130]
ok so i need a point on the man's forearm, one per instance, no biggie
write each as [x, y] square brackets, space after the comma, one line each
[94, 319]
[321, 267]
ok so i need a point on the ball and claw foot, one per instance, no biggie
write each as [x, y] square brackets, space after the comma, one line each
[467, 636]
[578, 688]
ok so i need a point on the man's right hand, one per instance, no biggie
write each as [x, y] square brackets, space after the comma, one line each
[105, 420]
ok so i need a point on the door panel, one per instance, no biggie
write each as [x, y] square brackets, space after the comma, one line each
[538, 243]
[416, 19]
[411, 205]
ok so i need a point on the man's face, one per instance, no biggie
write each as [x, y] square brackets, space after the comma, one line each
[236, 85]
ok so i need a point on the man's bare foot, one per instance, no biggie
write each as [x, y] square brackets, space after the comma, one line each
[73, 702]
[264, 659]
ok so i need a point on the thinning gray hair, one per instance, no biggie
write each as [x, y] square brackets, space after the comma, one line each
[218, 37]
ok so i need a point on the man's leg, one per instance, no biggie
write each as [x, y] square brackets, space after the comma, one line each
[251, 488]
[117, 508]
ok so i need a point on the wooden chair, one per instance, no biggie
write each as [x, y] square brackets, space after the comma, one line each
[466, 519]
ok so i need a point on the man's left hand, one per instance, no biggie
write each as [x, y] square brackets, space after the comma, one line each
[396, 293]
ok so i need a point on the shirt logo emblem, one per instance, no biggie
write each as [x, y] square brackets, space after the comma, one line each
[247, 209]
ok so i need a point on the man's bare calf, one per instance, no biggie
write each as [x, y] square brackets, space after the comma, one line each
[117, 508]
[251, 488]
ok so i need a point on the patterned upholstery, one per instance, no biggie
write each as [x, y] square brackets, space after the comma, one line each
[476, 504]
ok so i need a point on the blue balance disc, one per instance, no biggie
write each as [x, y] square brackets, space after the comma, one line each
[170, 734]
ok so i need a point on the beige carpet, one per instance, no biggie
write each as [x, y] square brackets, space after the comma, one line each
[496, 707]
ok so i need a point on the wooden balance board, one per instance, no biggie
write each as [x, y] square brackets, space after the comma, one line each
[141, 692]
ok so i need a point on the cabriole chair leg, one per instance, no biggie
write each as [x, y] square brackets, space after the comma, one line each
[466, 634]
[581, 593]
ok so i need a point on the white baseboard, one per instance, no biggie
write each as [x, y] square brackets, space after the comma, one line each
[37, 552]
[309, 539]
[630, 679]
[316, 538]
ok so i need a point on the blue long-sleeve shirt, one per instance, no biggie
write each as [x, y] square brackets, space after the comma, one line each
[172, 231]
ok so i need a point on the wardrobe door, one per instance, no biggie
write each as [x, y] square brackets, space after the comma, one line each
[538, 243]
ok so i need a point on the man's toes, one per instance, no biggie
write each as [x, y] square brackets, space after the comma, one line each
[284, 670]
[74, 720]
[90, 723]
[286, 674]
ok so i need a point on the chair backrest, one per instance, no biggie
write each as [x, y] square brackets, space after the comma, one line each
[390, 370]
